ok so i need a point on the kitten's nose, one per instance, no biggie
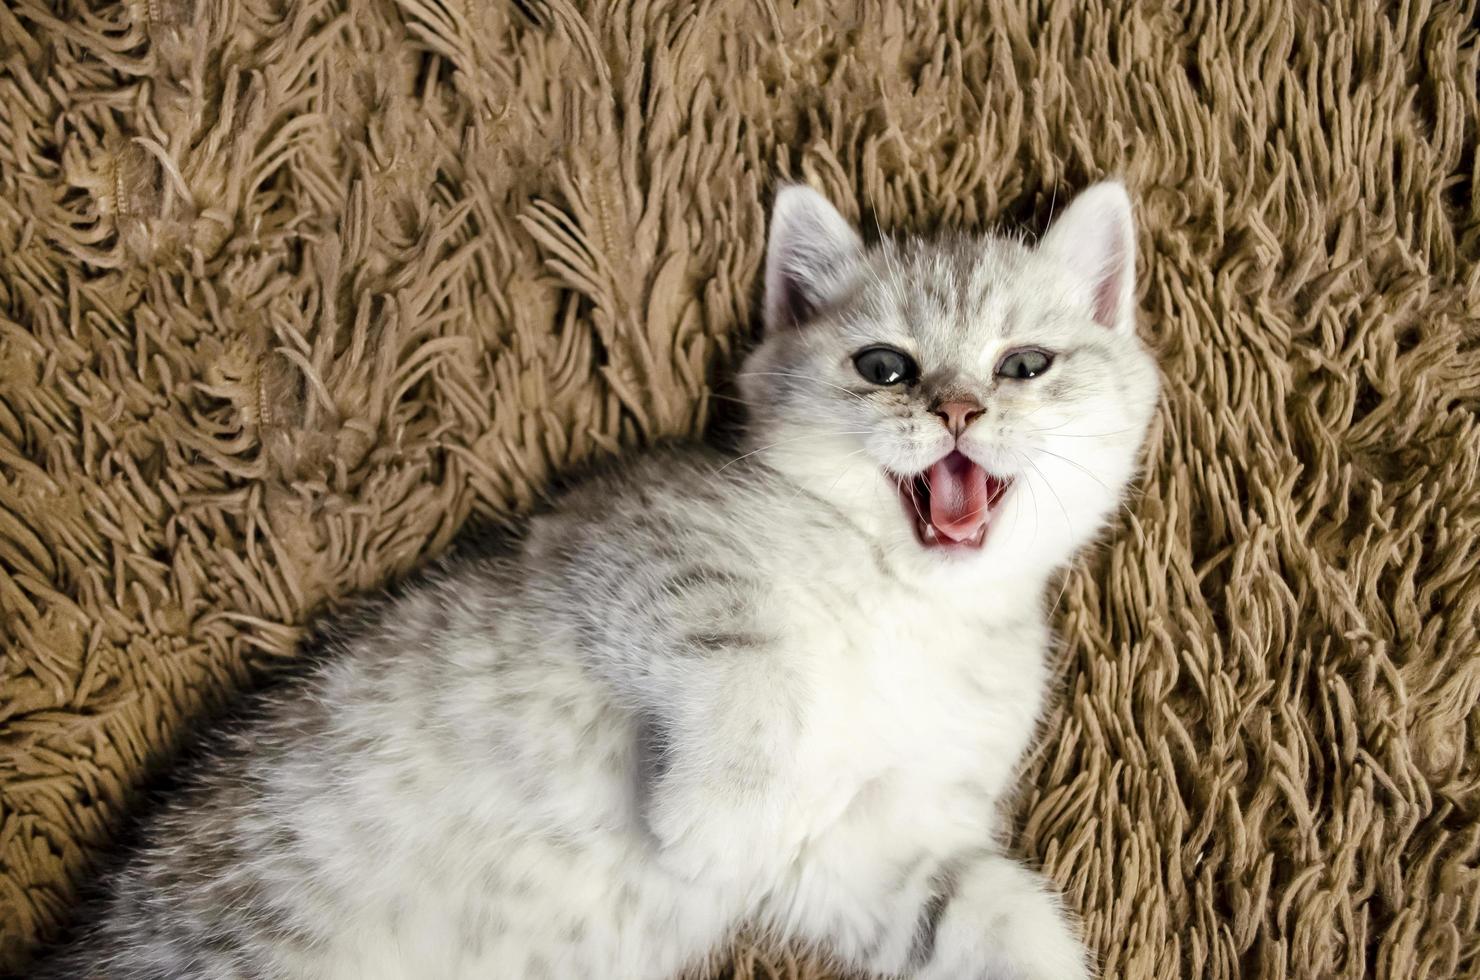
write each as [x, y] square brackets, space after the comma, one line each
[957, 415]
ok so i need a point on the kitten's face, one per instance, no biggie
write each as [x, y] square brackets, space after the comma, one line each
[973, 398]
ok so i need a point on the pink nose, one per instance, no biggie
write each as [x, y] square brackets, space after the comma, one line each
[957, 415]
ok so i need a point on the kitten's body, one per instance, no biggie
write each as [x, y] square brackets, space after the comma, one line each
[702, 693]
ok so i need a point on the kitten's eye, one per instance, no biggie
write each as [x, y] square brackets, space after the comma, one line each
[1024, 364]
[885, 366]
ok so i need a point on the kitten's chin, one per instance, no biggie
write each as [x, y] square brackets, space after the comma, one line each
[952, 503]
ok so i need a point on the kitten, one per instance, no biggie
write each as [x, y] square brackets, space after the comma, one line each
[785, 689]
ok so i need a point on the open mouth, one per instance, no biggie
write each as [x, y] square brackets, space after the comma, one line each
[952, 502]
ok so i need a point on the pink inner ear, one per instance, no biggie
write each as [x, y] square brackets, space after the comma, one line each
[795, 306]
[1108, 287]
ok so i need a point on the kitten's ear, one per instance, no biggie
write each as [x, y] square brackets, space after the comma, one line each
[810, 246]
[1096, 238]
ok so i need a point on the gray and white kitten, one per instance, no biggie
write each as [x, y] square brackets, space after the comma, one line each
[785, 690]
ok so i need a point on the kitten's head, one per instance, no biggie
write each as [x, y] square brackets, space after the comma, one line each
[973, 397]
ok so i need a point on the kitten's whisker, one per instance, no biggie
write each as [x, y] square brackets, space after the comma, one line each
[1028, 483]
[845, 471]
[1037, 410]
[727, 398]
[801, 377]
[1033, 495]
[1016, 512]
[914, 501]
[1074, 435]
[1068, 524]
[1060, 597]
[783, 442]
[1119, 502]
[1077, 466]
[1052, 428]
[1037, 520]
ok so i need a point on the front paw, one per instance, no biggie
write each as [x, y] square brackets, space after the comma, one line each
[694, 855]
[700, 834]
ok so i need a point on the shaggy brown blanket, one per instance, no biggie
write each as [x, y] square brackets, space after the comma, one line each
[291, 290]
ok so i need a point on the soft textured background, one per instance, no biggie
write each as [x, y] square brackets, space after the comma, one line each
[291, 290]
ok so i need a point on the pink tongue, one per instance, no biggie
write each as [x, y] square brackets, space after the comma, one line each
[958, 497]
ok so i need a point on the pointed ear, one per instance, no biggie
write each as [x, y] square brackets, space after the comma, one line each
[1096, 238]
[810, 247]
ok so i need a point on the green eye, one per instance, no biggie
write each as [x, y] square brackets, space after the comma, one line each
[886, 366]
[1021, 365]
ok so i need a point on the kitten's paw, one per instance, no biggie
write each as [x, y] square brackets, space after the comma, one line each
[695, 857]
[704, 835]
[1002, 922]
[1044, 957]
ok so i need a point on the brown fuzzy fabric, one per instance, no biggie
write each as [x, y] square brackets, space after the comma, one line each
[290, 290]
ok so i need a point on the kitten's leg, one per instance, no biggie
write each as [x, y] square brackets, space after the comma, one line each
[716, 781]
[978, 917]
[866, 913]
[717, 707]
[992, 918]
